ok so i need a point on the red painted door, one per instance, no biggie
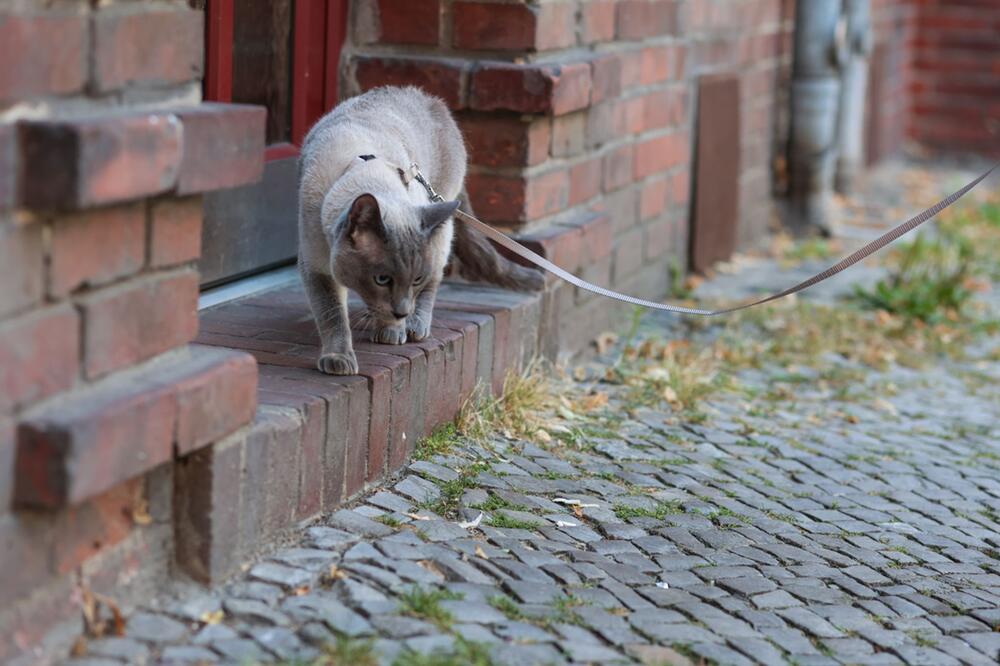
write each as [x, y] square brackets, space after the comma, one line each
[283, 55]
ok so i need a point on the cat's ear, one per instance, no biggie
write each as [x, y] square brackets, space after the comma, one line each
[433, 215]
[364, 217]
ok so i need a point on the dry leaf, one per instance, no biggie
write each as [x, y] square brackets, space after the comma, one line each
[140, 513]
[577, 511]
[543, 436]
[301, 590]
[79, 648]
[605, 341]
[669, 395]
[335, 573]
[481, 553]
[416, 516]
[213, 617]
[566, 523]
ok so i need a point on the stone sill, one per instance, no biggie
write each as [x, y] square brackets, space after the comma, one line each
[322, 440]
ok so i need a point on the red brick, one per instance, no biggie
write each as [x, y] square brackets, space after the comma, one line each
[39, 354]
[653, 199]
[83, 531]
[22, 257]
[174, 231]
[530, 88]
[443, 78]
[639, 19]
[129, 323]
[409, 22]
[547, 194]
[606, 121]
[494, 26]
[628, 254]
[655, 66]
[598, 21]
[42, 55]
[584, 181]
[618, 168]
[561, 245]
[96, 247]
[680, 187]
[606, 77]
[556, 26]
[663, 108]
[500, 26]
[396, 369]
[658, 239]
[218, 395]
[93, 441]
[498, 141]
[470, 350]
[146, 46]
[99, 160]
[223, 146]
[380, 385]
[569, 133]
[499, 199]
[271, 454]
[660, 153]
[631, 69]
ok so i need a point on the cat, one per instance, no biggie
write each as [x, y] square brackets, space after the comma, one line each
[366, 225]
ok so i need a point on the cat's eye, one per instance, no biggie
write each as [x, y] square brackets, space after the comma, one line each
[382, 280]
[418, 279]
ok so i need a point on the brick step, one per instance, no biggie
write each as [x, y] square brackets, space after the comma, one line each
[317, 440]
[71, 449]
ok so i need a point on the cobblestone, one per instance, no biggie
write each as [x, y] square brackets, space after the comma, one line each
[822, 530]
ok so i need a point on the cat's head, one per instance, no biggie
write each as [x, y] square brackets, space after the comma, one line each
[389, 261]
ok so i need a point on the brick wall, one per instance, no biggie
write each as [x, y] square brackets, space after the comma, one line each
[579, 118]
[104, 153]
[955, 84]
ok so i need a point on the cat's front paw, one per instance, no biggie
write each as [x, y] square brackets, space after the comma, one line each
[338, 364]
[418, 329]
[391, 335]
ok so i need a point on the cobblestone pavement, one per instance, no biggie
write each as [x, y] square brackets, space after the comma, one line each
[821, 530]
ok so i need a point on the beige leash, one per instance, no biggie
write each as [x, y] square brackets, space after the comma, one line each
[859, 255]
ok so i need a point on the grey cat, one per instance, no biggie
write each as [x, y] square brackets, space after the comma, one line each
[366, 225]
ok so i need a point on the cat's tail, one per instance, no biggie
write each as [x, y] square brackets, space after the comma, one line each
[479, 261]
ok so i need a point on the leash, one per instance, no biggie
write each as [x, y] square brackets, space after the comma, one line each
[863, 253]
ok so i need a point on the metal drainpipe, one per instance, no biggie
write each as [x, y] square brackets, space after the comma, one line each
[819, 53]
[852, 97]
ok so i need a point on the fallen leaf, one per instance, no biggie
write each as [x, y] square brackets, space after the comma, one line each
[416, 516]
[301, 590]
[213, 617]
[140, 513]
[605, 341]
[663, 585]
[480, 552]
[543, 436]
[335, 573]
[577, 511]
[566, 523]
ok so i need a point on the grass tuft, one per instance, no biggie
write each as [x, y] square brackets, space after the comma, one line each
[425, 604]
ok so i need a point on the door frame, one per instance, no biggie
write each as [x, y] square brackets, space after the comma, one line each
[318, 32]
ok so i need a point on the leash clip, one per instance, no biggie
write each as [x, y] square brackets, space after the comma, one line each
[414, 172]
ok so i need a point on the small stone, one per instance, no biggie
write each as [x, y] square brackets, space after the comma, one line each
[354, 523]
[255, 611]
[154, 628]
[417, 489]
[326, 608]
[125, 649]
[329, 538]
[288, 577]
[310, 559]
[188, 654]
[239, 650]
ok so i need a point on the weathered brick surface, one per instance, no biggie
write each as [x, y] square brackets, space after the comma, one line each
[444, 78]
[91, 442]
[207, 510]
[43, 54]
[217, 395]
[39, 355]
[409, 21]
[82, 531]
[504, 141]
[22, 256]
[530, 88]
[130, 48]
[96, 247]
[128, 323]
[174, 231]
[97, 160]
[501, 26]
[223, 146]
